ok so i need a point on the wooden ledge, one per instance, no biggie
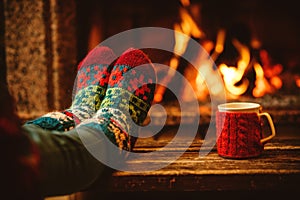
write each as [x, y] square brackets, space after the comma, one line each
[278, 168]
[275, 173]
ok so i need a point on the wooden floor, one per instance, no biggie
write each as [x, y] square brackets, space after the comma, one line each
[278, 168]
[276, 172]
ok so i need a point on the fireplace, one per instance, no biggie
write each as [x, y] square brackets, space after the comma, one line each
[255, 46]
[42, 41]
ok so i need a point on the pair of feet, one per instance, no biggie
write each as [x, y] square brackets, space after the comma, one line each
[111, 96]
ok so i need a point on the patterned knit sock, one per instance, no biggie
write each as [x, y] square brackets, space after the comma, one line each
[127, 100]
[90, 87]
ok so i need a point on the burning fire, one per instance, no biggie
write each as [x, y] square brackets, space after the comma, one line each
[297, 80]
[272, 72]
[232, 75]
[267, 74]
[262, 86]
[190, 28]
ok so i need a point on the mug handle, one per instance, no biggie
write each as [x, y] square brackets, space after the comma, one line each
[271, 126]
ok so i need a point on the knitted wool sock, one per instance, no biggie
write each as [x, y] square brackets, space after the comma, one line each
[90, 87]
[127, 100]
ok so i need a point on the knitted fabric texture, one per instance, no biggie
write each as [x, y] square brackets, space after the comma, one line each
[59, 121]
[127, 100]
[89, 90]
[239, 135]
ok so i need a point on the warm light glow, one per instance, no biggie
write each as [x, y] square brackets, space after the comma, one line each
[220, 41]
[207, 73]
[276, 82]
[208, 45]
[267, 76]
[201, 91]
[174, 62]
[258, 70]
[183, 30]
[272, 70]
[181, 40]
[297, 79]
[206, 68]
[233, 75]
[185, 2]
[262, 86]
[229, 73]
[158, 97]
[188, 25]
[255, 43]
[271, 73]
[201, 87]
[244, 52]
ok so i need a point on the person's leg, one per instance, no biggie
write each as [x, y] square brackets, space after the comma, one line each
[19, 157]
[90, 87]
[66, 166]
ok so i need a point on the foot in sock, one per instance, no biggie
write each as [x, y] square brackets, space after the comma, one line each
[89, 90]
[127, 100]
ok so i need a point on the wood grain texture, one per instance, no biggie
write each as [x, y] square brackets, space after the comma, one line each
[277, 169]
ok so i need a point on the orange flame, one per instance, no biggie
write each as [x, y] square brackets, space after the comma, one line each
[297, 80]
[268, 77]
[207, 73]
[185, 2]
[262, 85]
[232, 75]
[206, 68]
[181, 42]
[219, 47]
[188, 27]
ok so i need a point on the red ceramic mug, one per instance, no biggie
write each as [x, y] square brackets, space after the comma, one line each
[239, 130]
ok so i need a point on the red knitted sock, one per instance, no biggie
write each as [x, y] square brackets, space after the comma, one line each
[127, 100]
[91, 83]
[89, 90]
